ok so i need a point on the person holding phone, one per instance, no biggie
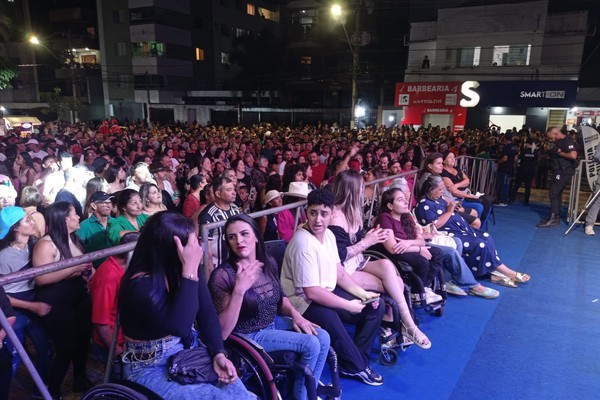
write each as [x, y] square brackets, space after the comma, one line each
[380, 275]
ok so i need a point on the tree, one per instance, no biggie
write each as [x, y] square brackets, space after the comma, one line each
[61, 105]
[8, 70]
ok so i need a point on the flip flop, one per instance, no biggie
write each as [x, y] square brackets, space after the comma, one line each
[488, 293]
[503, 281]
[521, 277]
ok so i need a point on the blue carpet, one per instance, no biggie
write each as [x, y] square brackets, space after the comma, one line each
[539, 341]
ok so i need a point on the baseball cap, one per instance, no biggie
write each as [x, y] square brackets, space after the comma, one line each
[156, 167]
[100, 196]
[32, 141]
[8, 217]
[99, 162]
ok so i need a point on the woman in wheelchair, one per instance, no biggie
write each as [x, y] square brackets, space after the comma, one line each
[479, 250]
[248, 296]
[161, 295]
[381, 275]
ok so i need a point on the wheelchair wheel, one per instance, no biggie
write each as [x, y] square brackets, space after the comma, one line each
[252, 369]
[388, 356]
[439, 312]
[113, 391]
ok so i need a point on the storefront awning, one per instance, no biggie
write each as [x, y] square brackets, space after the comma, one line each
[15, 121]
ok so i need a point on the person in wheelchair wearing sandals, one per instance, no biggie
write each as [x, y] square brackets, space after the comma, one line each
[479, 249]
[395, 215]
[161, 295]
[380, 275]
[248, 297]
[313, 278]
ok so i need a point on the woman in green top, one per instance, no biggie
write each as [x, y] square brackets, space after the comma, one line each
[130, 219]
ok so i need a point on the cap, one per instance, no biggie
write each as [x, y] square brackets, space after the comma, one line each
[271, 194]
[99, 162]
[156, 167]
[298, 189]
[8, 217]
[32, 141]
[100, 196]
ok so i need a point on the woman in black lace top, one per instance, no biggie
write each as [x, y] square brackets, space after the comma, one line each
[160, 297]
[248, 296]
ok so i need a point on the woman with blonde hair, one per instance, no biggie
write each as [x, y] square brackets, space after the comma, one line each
[380, 275]
[151, 199]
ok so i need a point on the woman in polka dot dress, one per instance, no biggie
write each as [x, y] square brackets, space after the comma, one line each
[479, 249]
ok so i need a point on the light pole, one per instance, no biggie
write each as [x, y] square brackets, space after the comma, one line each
[35, 41]
[337, 13]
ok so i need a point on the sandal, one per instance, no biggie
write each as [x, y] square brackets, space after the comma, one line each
[411, 334]
[502, 280]
[521, 277]
[487, 293]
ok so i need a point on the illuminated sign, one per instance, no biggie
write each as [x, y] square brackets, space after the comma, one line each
[471, 96]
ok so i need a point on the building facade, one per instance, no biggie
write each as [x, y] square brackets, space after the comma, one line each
[506, 66]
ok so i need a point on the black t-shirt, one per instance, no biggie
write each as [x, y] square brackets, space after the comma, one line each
[558, 162]
[510, 152]
[5, 304]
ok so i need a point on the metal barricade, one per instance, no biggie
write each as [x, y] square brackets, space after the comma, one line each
[481, 172]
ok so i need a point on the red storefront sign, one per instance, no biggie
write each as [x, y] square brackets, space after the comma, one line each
[419, 98]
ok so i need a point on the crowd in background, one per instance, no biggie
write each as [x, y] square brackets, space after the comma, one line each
[70, 189]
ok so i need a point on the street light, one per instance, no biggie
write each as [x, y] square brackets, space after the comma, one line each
[36, 42]
[337, 13]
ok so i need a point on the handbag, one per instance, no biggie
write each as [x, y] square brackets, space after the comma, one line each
[190, 366]
[443, 240]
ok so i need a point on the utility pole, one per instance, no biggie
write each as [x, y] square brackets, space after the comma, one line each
[74, 115]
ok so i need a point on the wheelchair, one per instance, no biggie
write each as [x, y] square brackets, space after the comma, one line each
[270, 376]
[415, 298]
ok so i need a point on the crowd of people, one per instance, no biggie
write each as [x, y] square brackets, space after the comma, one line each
[75, 189]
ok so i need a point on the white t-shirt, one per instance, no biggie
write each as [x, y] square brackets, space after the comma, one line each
[39, 154]
[307, 263]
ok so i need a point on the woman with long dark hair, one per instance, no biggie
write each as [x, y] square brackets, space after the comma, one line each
[161, 295]
[248, 296]
[69, 322]
[115, 176]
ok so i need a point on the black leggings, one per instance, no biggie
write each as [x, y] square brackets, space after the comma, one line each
[424, 268]
[69, 326]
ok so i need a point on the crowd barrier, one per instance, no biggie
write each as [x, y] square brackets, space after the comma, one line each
[480, 170]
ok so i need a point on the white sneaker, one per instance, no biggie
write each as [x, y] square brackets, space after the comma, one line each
[589, 230]
[431, 296]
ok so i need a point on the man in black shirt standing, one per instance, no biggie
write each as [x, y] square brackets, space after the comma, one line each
[528, 160]
[506, 169]
[563, 162]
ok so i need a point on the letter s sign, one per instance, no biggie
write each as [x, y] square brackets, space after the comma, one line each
[471, 97]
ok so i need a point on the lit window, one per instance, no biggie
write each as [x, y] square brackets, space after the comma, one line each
[250, 9]
[199, 54]
[513, 55]
[306, 60]
[225, 58]
[268, 14]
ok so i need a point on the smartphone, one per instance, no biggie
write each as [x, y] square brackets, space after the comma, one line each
[369, 301]
[363, 263]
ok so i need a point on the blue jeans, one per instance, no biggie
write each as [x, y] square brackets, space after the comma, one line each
[456, 265]
[28, 325]
[145, 363]
[313, 349]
